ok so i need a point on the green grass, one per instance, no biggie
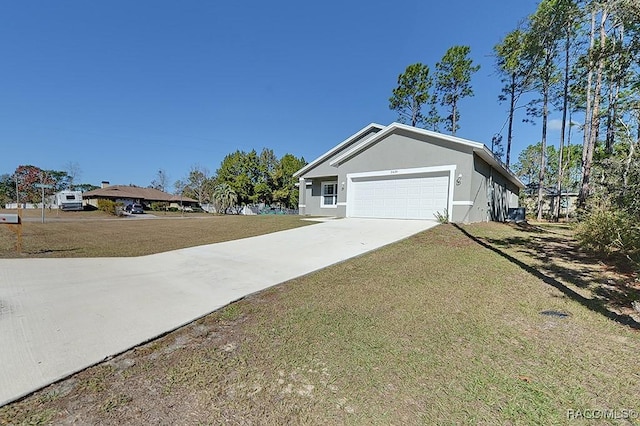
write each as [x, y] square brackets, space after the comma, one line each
[442, 328]
[95, 234]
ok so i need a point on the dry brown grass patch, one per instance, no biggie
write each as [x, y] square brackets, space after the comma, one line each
[97, 235]
[436, 329]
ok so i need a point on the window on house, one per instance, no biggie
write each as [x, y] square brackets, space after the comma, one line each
[329, 194]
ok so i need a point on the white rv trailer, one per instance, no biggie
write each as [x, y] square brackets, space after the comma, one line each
[69, 200]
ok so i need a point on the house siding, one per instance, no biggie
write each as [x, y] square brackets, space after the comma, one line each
[397, 151]
[480, 192]
[492, 193]
[313, 198]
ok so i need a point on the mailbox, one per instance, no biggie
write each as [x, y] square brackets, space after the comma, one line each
[10, 219]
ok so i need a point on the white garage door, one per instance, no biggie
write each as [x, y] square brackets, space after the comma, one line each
[399, 197]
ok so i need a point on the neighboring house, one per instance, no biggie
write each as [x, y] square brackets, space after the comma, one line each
[568, 201]
[404, 172]
[127, 194]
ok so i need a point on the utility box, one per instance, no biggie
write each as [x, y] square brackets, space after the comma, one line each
[11, 219]
[518, 214]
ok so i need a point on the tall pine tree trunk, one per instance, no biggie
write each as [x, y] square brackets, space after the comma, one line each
[568, 162]
[565, 103]
[614, 93]
[595, 113]
[582, 197]
[454, 118]
[543, 153]
[512, 108]
[627, 166]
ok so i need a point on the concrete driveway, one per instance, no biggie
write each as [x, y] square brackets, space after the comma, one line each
[59, 316]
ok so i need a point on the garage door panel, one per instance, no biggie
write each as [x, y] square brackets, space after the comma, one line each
[416, 197]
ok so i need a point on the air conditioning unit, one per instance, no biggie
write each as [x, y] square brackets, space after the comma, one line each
[517, 214]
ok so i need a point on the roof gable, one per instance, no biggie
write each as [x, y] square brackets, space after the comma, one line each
[393, 128]
[363, 134]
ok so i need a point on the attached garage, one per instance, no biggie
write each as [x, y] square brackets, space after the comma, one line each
[398, 194]
[403, 172]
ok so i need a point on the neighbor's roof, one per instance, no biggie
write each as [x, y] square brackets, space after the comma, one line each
[358, 146]
[127, 191]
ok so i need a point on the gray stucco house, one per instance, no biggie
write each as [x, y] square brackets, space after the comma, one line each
[399, 171]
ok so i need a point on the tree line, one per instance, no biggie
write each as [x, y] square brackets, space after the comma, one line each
[20, 185]
[582, 58]
[418, 90]
[579, 58]
[242, 178]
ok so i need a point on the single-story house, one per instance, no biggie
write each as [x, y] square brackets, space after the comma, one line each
[399, 171]
[568, 201]
[128, 194]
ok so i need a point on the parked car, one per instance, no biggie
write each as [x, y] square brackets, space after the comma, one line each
[134, 208]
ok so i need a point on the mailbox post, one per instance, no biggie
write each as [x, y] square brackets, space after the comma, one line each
[43, 186]
[14, 223]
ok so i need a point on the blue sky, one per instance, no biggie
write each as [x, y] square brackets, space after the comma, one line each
[125, 88]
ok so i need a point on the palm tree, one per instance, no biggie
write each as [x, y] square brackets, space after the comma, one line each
[224, 197]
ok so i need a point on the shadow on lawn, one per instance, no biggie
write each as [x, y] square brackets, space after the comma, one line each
[579, 278]
[551, 251]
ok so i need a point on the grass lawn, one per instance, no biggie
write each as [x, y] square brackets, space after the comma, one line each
[478, 324]
[96, 234]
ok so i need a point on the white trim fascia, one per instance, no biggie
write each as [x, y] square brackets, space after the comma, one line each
[392, 172]
[306, 183]
[399, 172]
[452, 187]
[342, 203]
[338, 147]
[463, 203]
[486, 154]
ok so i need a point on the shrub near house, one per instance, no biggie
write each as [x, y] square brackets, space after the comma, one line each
[109, 206]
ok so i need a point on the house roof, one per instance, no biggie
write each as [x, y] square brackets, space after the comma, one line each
[358, 146]
[127, 191]
[373, 127]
